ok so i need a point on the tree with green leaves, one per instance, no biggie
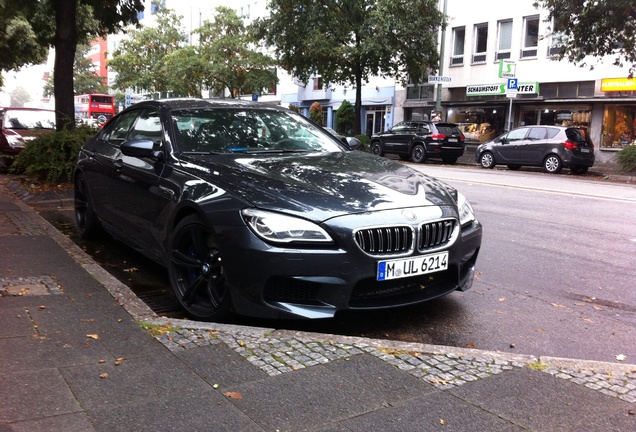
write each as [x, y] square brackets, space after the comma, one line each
[348, 42]
[345, 117]
[139, 59]
[85, 77]
[228, 49]
[593, 28]
[19, 96]
[28, 24]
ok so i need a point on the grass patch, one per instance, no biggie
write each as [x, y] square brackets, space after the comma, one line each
[537, 366]
[159, 329]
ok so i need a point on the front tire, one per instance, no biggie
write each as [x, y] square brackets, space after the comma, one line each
[376, 149]
[552, 164]
[86, 220]
[487, 160]
[196, 271]
[418, 154]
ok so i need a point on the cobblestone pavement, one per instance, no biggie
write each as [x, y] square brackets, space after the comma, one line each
[277, 355]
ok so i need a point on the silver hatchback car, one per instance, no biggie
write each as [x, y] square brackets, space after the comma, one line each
[550, 147]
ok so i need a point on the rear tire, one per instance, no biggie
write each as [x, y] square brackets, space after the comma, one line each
[450, 160]
[86, 220]
[487, 160]
[578, 169]
[418, 154]
[552, 164]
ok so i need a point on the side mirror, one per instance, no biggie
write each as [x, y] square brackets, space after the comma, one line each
[139, 148]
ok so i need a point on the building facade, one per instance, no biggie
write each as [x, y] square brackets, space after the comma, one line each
[487, 44]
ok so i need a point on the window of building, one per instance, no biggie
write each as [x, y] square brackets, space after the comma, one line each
[504, 39]
[419, 91]
[557, 38]
[318, 83]
[619, 126]
[481, 43]
[530, 37]
[459, 35]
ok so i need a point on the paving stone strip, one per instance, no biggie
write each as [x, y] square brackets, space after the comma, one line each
[277, 355]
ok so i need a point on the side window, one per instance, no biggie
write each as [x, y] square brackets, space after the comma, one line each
[552, 132]
[117, 130]
[147, 127]
[537, 134]
[517, 134]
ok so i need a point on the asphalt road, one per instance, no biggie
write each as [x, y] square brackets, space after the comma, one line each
[555, 275]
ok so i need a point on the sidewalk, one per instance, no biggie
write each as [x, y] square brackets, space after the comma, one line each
[80, 352]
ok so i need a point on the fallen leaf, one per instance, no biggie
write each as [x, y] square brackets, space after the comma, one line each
[101, 361]
[233, 395]
[119, 361]
[103, 375]
[621, 357]
[558, 305]
[131, 269]
[215, 386]
[502, 299]
[470, 345]
[442, 421]
[588, 320]
[92, 336]
[41, 307]
[598, 308]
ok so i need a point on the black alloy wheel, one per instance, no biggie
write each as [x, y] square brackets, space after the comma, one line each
[85, 218]
[418, 154]
[487, 160]
[552, 164]
[376, 149]
[196, 271]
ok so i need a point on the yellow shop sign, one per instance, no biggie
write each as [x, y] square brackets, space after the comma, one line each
[618, 84]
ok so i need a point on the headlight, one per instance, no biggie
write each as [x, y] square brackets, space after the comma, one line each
[15, 141]
[278, 228]
[466, 213]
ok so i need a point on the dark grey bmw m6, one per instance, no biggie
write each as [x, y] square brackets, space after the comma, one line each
[255, 210]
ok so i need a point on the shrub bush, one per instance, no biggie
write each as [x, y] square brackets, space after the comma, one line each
[315, 113]
[51, 157]
[365, 140]
[626, 158]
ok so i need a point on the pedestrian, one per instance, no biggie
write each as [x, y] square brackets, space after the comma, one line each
[438, 116]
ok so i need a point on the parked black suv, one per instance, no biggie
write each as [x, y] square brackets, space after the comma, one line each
[420, 140]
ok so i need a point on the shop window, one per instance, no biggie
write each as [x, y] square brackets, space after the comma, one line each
[619, 126]
[459, 35]
[318, 83]
[481, 43]
[504, 39]
[557, 39]
[568, 89]
[530, 37]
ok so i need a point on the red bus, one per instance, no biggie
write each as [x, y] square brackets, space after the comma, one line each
[94, 109]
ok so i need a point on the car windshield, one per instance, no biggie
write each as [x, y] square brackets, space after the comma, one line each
[223, 130]
[28, 119]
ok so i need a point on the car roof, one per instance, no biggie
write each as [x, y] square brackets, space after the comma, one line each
[194, 103]
[25, 109]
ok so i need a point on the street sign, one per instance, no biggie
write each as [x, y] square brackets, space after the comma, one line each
[434, 79]
[512, 84]
[507, 69]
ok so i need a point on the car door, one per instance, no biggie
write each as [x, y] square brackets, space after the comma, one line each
[509, 149]
[535, 146]
[137, 186]
[398, 138]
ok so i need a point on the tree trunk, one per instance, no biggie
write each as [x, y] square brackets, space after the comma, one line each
[357, 120]
[65, 44]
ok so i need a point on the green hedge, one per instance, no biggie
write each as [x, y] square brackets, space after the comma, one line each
[51, 157]
[626, 158]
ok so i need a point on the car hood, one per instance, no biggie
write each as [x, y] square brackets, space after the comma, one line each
[320, 186]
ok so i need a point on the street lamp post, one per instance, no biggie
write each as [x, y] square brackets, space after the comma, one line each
[438, 99]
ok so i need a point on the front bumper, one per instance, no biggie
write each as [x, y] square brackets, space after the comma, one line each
[272, 282]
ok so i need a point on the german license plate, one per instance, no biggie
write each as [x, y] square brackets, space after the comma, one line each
[585, 150]
[416, 266]
[452, 140]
